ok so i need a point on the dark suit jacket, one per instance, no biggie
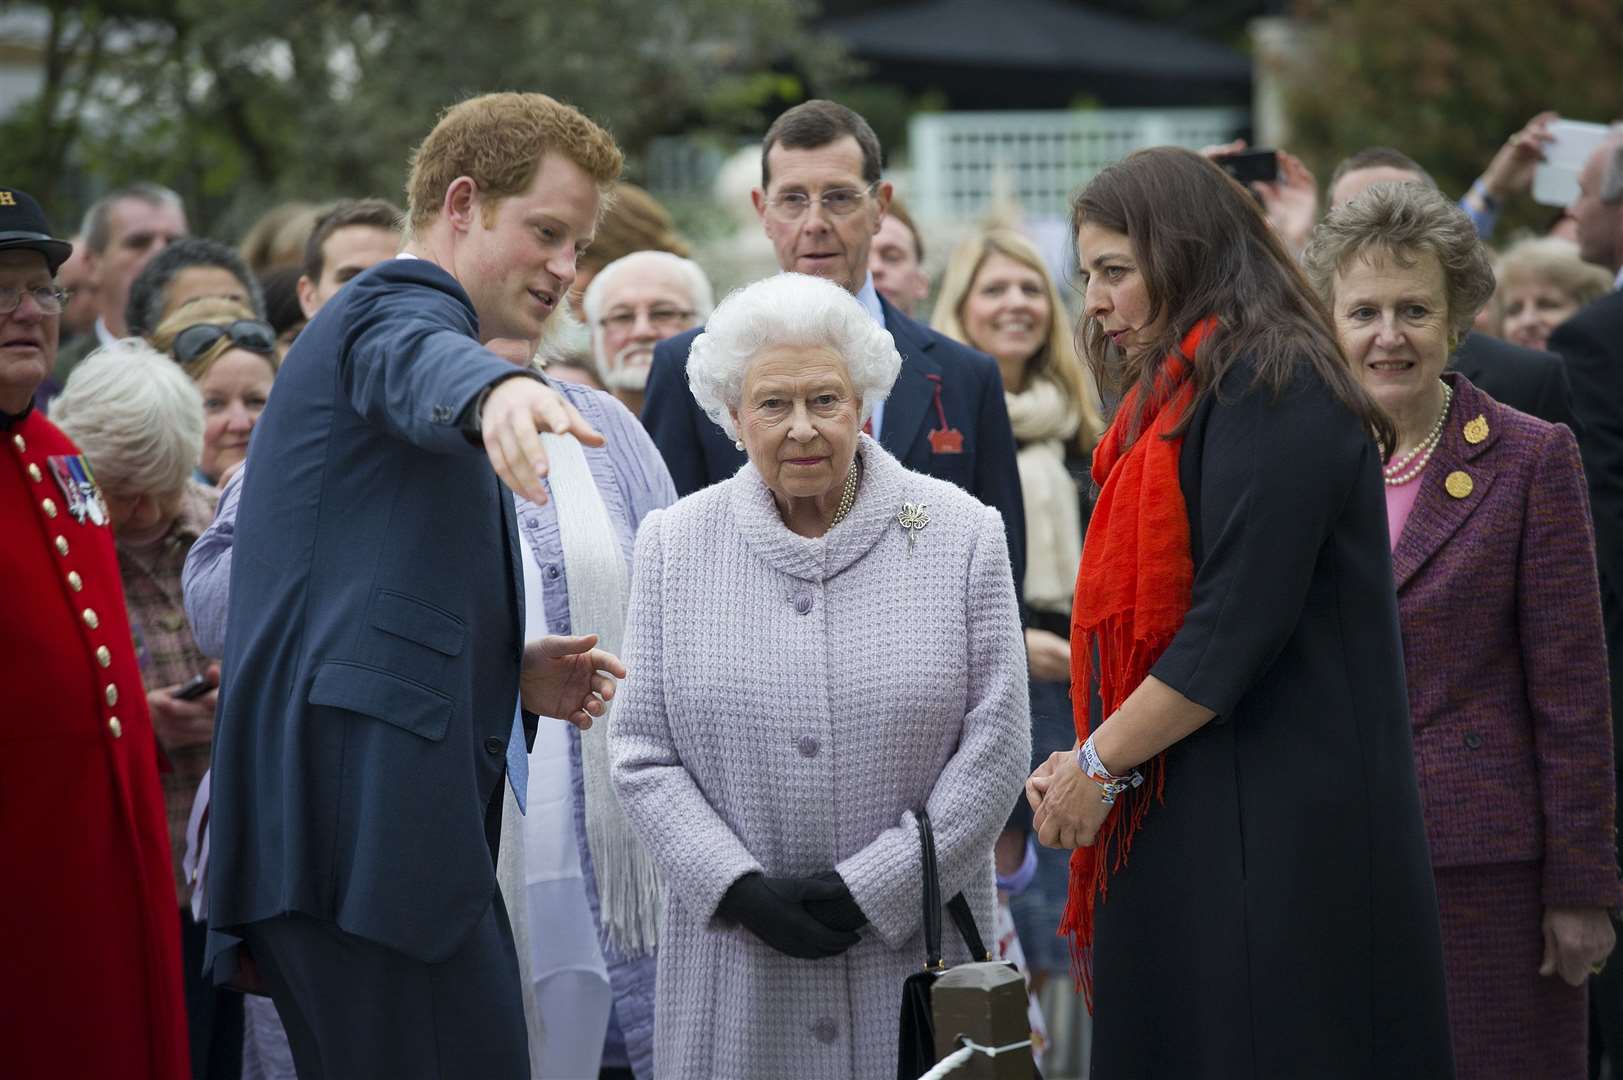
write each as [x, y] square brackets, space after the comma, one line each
[375, 630]
[1504, 655]
[1532, 381]
[1591, 344]
[698, 453]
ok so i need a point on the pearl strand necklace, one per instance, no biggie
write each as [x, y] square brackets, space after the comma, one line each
[848, 496]
[1414, 463]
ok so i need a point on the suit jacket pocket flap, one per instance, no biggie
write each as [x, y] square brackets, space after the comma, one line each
[384, 696]
[414, 620]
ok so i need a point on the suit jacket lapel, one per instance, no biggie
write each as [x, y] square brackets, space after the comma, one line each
[1438, 514]
[913, 397]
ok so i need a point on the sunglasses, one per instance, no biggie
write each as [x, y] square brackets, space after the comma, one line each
[250, 334]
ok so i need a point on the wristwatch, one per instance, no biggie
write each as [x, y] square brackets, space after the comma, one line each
[1110, 785]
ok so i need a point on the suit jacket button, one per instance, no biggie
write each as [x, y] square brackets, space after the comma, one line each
[1473, 741]
[494, 746]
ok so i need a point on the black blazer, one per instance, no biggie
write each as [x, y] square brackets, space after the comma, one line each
[375, 632]
[1527, 380]
[970, 391]
[1591, 344]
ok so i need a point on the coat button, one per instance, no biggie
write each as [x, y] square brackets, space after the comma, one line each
[1473, 741]
[808, 746]
[62, 545]
[114, 728]
[803, 603]
[49, 507]
[17, 441]
[92, 620]
[34, 474]
[825, 1030]
[494, 746]
[112, 694]
[75, 582]
[104, 656]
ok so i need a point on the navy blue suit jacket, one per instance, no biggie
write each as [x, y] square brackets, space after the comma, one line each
[375, 631]
[698, 453]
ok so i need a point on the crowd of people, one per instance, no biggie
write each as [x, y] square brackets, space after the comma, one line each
[561, 690]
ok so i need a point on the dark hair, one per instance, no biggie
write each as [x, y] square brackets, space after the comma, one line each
[1205, 249]
[816, 123]
[97, 227]
[145, 308]
[373, 213]
[898, 210]
[282, 309]
[1379, 157]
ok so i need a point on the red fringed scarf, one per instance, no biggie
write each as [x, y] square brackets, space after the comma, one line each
[1132, 593]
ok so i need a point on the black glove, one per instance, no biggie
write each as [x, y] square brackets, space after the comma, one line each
[840, 910]
[773, 909]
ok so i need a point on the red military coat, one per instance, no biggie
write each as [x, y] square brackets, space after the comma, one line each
[89, 935]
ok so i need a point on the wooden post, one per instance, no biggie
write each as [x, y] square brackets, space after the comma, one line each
[985, 1003]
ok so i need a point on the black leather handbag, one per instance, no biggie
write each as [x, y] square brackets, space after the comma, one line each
[916, 1049]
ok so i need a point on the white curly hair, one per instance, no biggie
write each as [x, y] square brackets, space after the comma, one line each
[788, 309]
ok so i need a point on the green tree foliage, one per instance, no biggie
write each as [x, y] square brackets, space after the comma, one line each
[239, 105]
[1448, 81]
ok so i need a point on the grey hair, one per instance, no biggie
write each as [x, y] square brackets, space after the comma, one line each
[136, 416]
[788, 309]
[1551, 261]
[1403, 220]
[701, 296]
[97, 226]
[144, 310]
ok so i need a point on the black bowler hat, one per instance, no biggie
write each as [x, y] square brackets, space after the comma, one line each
[23, 225]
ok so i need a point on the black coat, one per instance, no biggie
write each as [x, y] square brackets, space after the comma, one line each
[1528, 380]
[1276, 918]
[1591, 344]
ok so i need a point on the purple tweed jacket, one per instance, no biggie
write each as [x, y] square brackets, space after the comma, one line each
[1505, 653]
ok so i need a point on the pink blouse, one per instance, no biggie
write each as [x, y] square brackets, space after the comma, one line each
[1399, 501]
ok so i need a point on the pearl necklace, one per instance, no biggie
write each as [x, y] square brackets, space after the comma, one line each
[1414, 462]
[848, 496]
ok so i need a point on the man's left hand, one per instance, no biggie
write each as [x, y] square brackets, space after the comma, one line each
[1071, 811]
[568, 678]
[1576, 940]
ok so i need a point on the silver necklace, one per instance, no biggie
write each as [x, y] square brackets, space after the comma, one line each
[1413, 463]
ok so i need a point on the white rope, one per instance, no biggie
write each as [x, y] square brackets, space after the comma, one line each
[967, 1051]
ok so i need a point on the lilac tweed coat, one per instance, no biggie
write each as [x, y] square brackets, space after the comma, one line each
[790, 702]
[1505, 660]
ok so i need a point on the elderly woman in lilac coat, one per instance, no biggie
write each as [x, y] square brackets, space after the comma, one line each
[819, 646]
[1504, 651]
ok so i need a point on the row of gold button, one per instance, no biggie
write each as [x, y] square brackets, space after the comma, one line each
[104, 655]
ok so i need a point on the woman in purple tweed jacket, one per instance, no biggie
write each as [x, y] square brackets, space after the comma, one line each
[1504, 652]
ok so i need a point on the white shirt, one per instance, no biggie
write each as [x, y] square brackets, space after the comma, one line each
[868, 297]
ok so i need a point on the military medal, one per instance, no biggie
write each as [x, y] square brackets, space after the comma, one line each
[71, 496]
[94, 506]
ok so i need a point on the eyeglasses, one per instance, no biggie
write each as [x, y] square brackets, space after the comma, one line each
[49, 299]
[661, 318]
[839, 203]
[250, 334]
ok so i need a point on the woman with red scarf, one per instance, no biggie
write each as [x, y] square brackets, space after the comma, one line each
[1251, 894]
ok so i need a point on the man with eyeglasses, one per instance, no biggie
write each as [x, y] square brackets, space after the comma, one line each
[821, 202]
[90, 938]
[632, 305]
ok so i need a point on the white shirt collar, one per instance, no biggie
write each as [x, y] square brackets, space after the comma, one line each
[105, 336]
[868, 297]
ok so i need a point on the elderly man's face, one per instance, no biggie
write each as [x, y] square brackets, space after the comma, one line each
[137, 230]
[644, 302]
[808, 236]
[28, 336]
[798, 420]
[1355, 183]
[1600, 223]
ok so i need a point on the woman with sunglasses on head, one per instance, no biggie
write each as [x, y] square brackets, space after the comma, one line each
[232, 357]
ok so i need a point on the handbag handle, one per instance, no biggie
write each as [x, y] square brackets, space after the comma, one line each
[958, 906]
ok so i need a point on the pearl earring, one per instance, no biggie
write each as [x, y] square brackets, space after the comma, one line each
[739, 443]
